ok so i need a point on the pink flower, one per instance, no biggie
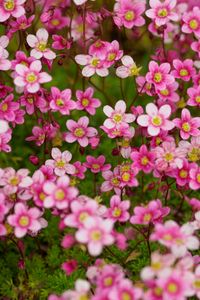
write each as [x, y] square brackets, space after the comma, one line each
[112, 181]
[8, 108]
[39, 135]
[118, 209]
[128, 13]
[85, 101]
[169, 93]
[39, 43]
[93, 64]
[25, 219]
[188, 126]
[162, 12]
[183, 69]
[60, 43]
[80, 2]
[60, 162]
[194, 96]
[113, 54]
[125, 290]
[61, 101]
[191, 21]
[79, 170]
[117, 116]
[194, 183]
[159, 75]
[12, 8]
[79, 131]
[59, 194]
[68, 241]
[129, 67]
[177, 238]
[30, 77]
[154, 213]
[3, 126]
[143, 159]
[96, 164]
[54, 20]
[69, 266]
[5, 64]
[128, 175]
[182, 175]
[156, 119]
[21, 23]
[5, 138]
[82, 289]
[96, 233]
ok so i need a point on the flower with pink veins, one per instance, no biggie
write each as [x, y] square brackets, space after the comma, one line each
[60, 162]
[8, 108]
[80, 212]
[143, 159]
[93, 64]
[117, 116]
[61, 101]
[80, 132]
[25, 220]
[194, 96]
[12, 8]
[154, 213]
[113, 54]
[194, 182]
[128, 69]
[162, 12]
[112, 181]
[183, 69]
[21, 23]
[177, 239]
[59, 194]
[159, 75]
[39, 44]
[96, 165]
[169, 93]
[96, 233]
[156, 119]
[182, 175]
[118, 210]
[3, 126]
[85, 101]
[31, 77]
[128, 13]
[187, 124]
[191, 22]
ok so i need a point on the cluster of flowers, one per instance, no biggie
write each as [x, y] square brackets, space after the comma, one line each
[169, 148]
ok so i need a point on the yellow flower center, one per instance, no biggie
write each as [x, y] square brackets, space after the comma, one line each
[59, 102]
[157, 121]
[144, 160]
[59, 195]
[41, 46]
[83, 297]
[24, 221]
[9, 4]
[165, 92]
[126, 176]
[162, 13]
[42, 196]
[158, 291]
[158, 77]
[194, 155]
[184, 72]
[30, 99]
[193, 24]
[198, 177]
[125, 143]
[85, 102]
[117, 118]
[111, 56]
[96, 235]
[134, 70]
[172, 288]
[147, 217]
[197, 99]
[197, 284]
[125, 168]
[115, 181]
[95, 62]
[4, 107]
[108, 281]
[14, 181]
[31, 77]
[186, 127]
[169, 157]
[129, 15]
[167, 237]
[60, 164]
[183, 174]
[156, 266]
[98, 44]
[55, 22]
[116, 212]
[83, 216]
[158, 141]
[126, 296]
[79, 132]
[95, 166]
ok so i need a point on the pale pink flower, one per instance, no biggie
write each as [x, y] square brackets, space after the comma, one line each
[187, 124]
[39, 135]
[31, 77]
[191, 22]
[82, 289]
[60, 162]
[3, 126]
[39, 45]
[79, 131]
[159, 75]
[61, 101]
[194, 96]
[117, 116]
[25, 220]
[93, 64]
[156, 119]
[85, 101]
[128, 13]
[112, 181]
[162, 12]
[118, 210]
[125, 290]
[194, 182]
[129, 67]
[8, 108]
[4, 139]
[80, 2]
[96, 165]
[5, 64]
[12, 8]
[59, 194]
[183, 69]
[96, 233]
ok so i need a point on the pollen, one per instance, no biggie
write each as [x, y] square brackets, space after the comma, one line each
[144, 160]
[183, 174]
[96, 235]
[9, 4]
[116, 212]
[59, 102]
[157, 77]
[172, 288]
[117, 118]
[193, 24]
[183, 72]
[79, 132]
[129, 15]
[31, 78]
[197, 99]
[126, 296]
[4, 107]
[24, 221]
[156, 121]
[59, 195]
[85, 102]
[162, 13]
[186, 127]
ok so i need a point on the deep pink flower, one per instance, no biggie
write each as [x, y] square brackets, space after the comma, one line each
[113, 54]
[182, 175]
[55, 20]
[12, 8]
[85, 101]
[195, 177]
[60, 43]
[96, 165]
[188, 126]
[8, 108]
[191, 21]
[25, 219]
[69, 266]
[61, 101]
[79, 170]
[21, 23]
[129, 68]
[79, 131]
[194, 96]
[143, 159]
[169, 93]
[156, 119]
[183, 69]
[118, 210]
[159, 75]
[112, 181]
